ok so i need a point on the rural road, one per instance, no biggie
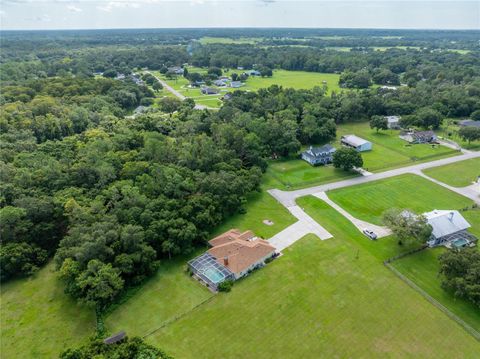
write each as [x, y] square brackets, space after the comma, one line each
[287, 198]
[307, 224]
[178, 94]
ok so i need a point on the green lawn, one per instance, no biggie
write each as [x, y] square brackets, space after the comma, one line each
[260, 206]
[390, 151]
[459, 174]
[290, 79]
[330, 297]
[369, 200]
[38, 320]
[296, 173]
[421, 268]
[450, 131]
[169, 293]
[228, 40]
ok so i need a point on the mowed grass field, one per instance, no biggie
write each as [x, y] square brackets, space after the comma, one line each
[421, 267]
[449, 131]
[284, 78]
[296, 173]
[169, 293]
[38, 320]
[330, 297]
[390, 151]
[260, 206]
[206, 40]
[369, 200]
[458, 174]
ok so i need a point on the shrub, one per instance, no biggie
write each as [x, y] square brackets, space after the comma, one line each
[225, 286]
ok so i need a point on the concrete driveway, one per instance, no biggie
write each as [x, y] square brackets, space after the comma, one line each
[293, 233]
[361, 225]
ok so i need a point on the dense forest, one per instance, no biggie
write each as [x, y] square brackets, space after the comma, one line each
[108, 195]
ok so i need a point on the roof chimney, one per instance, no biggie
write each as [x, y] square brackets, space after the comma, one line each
[225, 261]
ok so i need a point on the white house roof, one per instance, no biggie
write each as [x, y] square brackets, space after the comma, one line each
[393, 119]
[354, 141]
[445, 222]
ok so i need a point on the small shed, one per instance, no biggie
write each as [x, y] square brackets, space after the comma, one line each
[115, 338]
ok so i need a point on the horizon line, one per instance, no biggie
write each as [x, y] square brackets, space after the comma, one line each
[245, 27]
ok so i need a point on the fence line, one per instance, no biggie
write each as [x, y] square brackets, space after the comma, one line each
[177, 317]
[436, 303]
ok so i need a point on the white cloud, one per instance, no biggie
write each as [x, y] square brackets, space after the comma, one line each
[74, 8]
[40, 18]
[108, 7]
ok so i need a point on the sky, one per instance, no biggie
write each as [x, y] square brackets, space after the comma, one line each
[104, 14]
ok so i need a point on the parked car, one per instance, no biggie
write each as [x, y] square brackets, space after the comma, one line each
[370, 234]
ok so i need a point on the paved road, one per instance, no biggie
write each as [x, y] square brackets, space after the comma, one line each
[299, 229]
[178, 94]
[361, 225]
[287, 198]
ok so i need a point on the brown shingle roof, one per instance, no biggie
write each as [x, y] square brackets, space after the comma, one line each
[239, 253]
[226, 237]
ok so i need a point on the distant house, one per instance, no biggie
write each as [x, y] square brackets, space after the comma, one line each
[236, 84]
[197, 83]
[232, 255]
[139, 110]
[469, 123]
[220, 83]
[209, 90]
[393, 122]
[417, 137]
[356, 142]
[449, 228]
[120, 77]
[319, 155]
[227, 96]
[176, 70]
[391, 88]
[254, 73]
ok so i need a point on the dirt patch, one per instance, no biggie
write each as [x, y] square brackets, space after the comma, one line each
[268, 222]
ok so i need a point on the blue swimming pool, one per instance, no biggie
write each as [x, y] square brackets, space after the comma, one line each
[214, 275]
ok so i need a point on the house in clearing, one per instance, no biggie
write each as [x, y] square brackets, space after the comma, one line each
[232, 255]
[220, 83]
[449, 228]
[236, 84]
[469, 123]
[418, 137]
[209, 90]
[319, 155]
[356, 142]
[177, 70]
[393, 122]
